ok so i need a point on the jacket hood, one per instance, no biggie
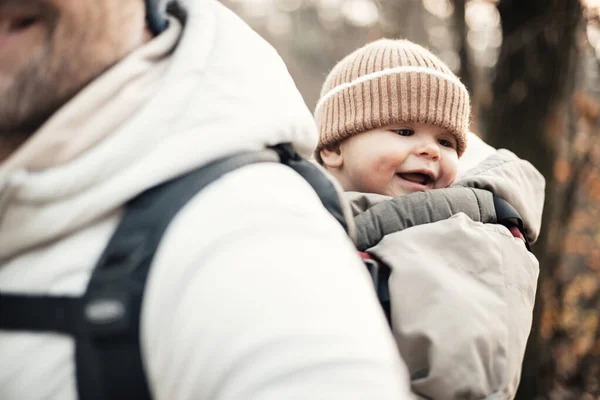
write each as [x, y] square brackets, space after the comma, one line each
[224, 90]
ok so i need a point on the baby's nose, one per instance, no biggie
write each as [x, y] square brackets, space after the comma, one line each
[429, 149]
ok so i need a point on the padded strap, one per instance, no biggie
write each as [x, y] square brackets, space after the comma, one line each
[419, 208]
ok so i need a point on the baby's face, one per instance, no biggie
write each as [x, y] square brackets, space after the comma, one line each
[398, 160]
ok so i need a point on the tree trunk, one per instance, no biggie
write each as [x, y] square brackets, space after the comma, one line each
[464, 72]
[533, 77]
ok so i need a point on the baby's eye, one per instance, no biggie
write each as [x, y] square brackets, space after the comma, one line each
[447, 143]
[404, 132]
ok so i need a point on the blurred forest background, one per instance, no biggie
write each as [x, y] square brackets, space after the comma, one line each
[533, 70]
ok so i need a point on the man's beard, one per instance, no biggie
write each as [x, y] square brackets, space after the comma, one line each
[31, 96]
[29, 100]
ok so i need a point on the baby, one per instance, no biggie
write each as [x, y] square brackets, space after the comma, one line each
[393, 122]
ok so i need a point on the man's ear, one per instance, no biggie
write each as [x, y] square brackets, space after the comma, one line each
[332, 156]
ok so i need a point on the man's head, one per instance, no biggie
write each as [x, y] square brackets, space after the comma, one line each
[389, 108]
[50, 49]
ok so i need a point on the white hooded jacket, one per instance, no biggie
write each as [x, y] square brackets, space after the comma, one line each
[255, 291]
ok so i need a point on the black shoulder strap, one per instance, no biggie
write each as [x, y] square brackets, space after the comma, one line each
[108, 359]
[121, 273]
[105, 321]
[380, 275]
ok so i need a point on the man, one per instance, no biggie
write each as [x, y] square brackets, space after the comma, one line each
[255, 292]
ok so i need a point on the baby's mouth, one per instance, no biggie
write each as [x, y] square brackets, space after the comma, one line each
[416, 177]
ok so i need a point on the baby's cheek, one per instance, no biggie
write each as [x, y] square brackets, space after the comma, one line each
[386, 164]
[383, 177]
[450, 170]
[443, 182]
[375, 177]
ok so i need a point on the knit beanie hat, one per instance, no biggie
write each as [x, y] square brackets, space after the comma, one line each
[388, 82]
